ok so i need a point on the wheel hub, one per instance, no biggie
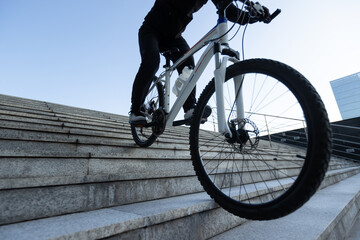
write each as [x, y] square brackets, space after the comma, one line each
[245, 135]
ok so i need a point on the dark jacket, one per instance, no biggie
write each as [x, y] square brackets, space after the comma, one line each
[170, 17]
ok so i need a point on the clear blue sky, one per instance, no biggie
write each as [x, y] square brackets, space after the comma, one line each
[84, 53]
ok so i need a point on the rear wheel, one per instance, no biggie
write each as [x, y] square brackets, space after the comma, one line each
[279, 151]
[144, 136]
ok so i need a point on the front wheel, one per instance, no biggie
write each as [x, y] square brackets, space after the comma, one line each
[279, 150]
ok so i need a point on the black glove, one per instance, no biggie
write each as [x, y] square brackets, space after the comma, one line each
[259, 13]
[252, 19]
[266, 16]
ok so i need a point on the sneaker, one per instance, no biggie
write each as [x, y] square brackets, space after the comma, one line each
[207, 112]
[137, 119]
[188, 114]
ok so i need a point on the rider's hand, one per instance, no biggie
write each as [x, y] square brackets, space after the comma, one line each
[259, 14]
[266, 15]
[252, 19]
[255, 13]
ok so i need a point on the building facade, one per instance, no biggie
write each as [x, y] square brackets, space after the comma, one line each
[347, 94]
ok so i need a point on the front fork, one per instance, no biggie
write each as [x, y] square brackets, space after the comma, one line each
[167, 90]
[219, 74]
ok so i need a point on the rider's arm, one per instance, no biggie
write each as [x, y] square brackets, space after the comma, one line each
[242, 17]
[236, 15]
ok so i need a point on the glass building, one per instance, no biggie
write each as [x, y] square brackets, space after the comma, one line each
[347, 94]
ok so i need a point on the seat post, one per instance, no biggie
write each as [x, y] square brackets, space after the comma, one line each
[167, 60]
[167, 55]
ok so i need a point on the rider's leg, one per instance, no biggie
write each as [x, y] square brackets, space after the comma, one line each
[190, 102]
[183, 47]
[150, 60]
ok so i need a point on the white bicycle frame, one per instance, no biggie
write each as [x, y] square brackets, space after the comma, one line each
[219, 32]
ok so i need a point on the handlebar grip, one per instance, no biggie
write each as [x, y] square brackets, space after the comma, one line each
[274, 15]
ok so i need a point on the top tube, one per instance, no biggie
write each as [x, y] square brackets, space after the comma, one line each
[200, 44]
[210, 36]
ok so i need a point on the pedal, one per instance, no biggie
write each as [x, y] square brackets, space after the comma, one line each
[182, 122]
[203, 121]
[139, 124]
[206, 114]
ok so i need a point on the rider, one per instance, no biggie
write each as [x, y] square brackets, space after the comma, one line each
[161, 31]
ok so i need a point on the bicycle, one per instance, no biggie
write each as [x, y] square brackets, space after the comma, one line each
[232, 153]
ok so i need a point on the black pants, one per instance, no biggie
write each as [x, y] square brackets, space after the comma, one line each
[151, 44]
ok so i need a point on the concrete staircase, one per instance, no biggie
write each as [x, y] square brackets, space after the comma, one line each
[70, 173]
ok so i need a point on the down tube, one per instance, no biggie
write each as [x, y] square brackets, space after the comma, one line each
[194, 77]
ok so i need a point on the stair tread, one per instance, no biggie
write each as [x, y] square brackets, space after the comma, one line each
[114, 220]
[354, 233]
[313, 221]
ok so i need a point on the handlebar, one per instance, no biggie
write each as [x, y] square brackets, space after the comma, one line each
[256, 11]
[275, 14]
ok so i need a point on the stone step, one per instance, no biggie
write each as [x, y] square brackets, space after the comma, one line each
[58, 160]
[51, 171]
[192, 216]
[69, 122]
[6, 100]
[328, 215]
[71, 159]
[117, 131]
[354, 233]
[32, 135]
[63, 135]
[23, 103]
[30, 202]
[90, 120]
[40, 156]
[114, 130]
[160, 219]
